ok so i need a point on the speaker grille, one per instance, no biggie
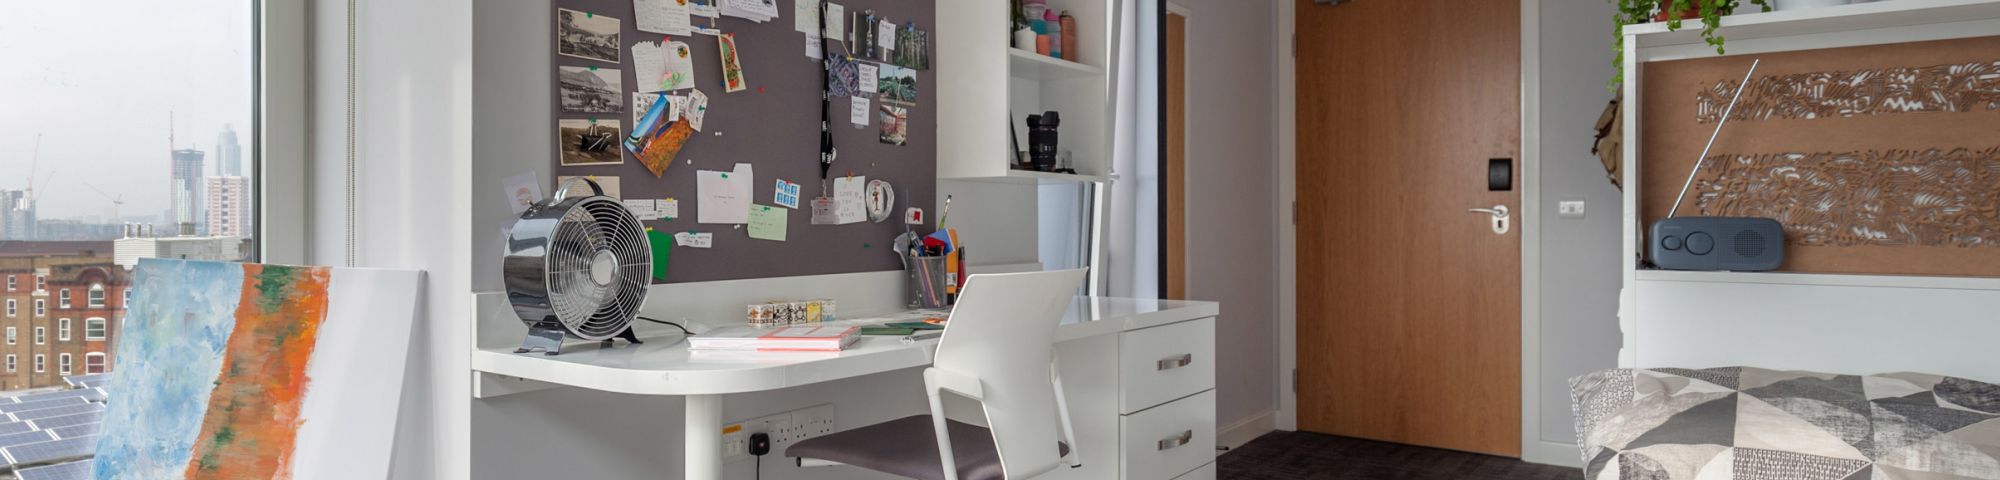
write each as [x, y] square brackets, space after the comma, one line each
[1749, 243]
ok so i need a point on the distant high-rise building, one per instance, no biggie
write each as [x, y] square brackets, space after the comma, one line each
[17, 215]
[228, 153]
[185, 192]
[228, 206]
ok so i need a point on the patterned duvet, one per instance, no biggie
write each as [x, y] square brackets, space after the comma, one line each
[1753, 424]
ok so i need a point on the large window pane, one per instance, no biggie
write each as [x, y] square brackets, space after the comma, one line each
[127, 131]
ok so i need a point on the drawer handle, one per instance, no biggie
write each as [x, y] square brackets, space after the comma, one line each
[1176, 441]
[1176, 361]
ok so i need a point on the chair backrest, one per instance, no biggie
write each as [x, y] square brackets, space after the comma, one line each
[1003, 332]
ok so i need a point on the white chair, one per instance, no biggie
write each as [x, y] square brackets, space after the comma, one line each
[998, 349]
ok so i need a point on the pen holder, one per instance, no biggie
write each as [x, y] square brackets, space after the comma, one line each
[927, 281]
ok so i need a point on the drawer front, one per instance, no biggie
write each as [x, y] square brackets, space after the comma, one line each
[1160, 364]
[1169, 440]
[1206, 472]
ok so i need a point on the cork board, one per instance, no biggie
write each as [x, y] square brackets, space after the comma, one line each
[1881, 159]
[774, 126]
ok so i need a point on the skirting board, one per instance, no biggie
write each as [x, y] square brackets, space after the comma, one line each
[1552, 453]
[1234, 435]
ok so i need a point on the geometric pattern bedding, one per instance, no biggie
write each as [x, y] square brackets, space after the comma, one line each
[1745, 423]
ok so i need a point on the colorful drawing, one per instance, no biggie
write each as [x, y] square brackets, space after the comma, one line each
[732, 70]
[220, 368]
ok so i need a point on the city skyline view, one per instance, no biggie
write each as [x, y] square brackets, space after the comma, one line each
[101, 101]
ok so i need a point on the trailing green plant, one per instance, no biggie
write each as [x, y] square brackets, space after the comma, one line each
[1643, 11]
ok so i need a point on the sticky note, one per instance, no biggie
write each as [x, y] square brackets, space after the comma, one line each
[768, 222]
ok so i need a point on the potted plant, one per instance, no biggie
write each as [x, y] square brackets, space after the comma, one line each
[1673, 12]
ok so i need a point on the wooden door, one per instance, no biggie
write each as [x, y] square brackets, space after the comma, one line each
[1175, 172]
[1408, 304]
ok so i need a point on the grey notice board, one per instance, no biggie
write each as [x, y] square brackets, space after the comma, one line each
[774, 126]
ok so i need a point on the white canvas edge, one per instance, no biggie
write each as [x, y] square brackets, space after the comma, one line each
[359, 361]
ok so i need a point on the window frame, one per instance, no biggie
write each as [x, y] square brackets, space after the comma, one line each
[13, 282]
[103, 329]
[41, 335]
[95, 297]
[41, 363]
[64, 364]
[13, 308]
[13, 335]
[279, 171]
[41, 307]
[62, 329]
[41, 282]
[95, 360]
[62, 298]
[12, 363]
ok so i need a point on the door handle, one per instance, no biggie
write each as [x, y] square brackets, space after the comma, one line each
[1502, 221]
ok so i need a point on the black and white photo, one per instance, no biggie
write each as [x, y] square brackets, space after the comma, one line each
[591, 89]
[589, 142]
[586, 35]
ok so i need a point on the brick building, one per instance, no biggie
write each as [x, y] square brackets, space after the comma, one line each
[60, 317]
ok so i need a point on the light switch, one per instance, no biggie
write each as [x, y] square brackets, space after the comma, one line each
[1571, 209]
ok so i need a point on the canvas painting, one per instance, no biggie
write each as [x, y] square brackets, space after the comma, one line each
[236, 370]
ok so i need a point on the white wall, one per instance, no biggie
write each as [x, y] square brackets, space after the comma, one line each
[1578, 258]
[1231, 186]
[413, 116]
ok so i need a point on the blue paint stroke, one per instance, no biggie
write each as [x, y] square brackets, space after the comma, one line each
[169, 356]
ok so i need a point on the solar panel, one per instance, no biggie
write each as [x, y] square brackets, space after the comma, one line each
[60, 471]
[74, 431]
[79, 381]
[50, 451]
[41, 413]
[15, 427]
[41, 404]
[91, 395]
[66, 420]
[97, 383]
[25, 438]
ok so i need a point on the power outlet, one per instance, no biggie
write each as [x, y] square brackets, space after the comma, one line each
[1570, 208]
[785, 429]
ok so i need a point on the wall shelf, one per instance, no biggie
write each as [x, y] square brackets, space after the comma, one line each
[1034, 66]
[992, 87]
[1821, 20]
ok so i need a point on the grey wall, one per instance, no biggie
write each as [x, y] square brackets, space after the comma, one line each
[1579, 258]
[1231, 185]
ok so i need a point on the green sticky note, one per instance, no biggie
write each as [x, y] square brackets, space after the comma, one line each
[886, 331]
[662, 245]
[767, 223]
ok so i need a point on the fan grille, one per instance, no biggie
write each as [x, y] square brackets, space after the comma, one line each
[598, 240]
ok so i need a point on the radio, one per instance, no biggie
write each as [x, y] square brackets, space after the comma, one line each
[1715, 243]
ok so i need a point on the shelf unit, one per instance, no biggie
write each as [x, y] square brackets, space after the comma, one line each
[1851, 25]
[992, 85]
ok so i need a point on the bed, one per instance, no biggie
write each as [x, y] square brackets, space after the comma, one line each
[1746, 423]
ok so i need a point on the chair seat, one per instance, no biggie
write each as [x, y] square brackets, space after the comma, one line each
[908, 447]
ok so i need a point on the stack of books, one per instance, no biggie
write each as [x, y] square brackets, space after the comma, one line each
[807, 338]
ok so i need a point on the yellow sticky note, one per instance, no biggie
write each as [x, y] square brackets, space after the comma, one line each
[768, 223]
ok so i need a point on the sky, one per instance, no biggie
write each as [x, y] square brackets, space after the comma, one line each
[97, 79]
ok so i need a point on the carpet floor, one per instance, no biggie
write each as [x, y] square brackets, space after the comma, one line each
[1303, 455]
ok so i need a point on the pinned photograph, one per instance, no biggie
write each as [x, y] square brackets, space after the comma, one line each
[896, 84]
[589, 142]
[586, 35]
[895, 120]
[732, 70]
[913, 48]
[842, 74]
[591, 89]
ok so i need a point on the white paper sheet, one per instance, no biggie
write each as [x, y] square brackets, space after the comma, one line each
[850, 200]
[859, 111]
[694, 240]
[669, 208]
[663, 16]
[755, 10]
[724, 197]
[836, 21]
[695, 108]
[659, 67]
[885, 37]
[805, 16]
[864, 74]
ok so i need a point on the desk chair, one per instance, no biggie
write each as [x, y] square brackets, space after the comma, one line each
[998, 349]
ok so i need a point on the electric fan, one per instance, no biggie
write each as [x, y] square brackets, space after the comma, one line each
[577, 267]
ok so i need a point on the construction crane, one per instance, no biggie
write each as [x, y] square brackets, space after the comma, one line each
[116, 202]
[34, 162]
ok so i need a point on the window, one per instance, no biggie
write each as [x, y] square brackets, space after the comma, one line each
[10, 363]
[125, 302]
[11, 335]
[13, 283]
[41, 307]
[97, 295]
[93, 363]
[93, 328]
[41, 363]
[41, 335]
[13, 309]
[62, 329]
[62, 298]
[62, 364]
[41, 282]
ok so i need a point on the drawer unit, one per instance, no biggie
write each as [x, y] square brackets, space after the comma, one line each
[1206, 472]
[1166, 441]
[1160, 364]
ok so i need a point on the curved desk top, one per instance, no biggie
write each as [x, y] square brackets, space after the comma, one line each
[664, 365]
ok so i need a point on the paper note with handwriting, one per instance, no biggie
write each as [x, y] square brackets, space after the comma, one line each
[850, 200]
[724, 197]
[865, 75]
[694, 240]
[663, 16]
[768, 222]
[858, 111]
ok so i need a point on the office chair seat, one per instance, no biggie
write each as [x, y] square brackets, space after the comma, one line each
[908, 447]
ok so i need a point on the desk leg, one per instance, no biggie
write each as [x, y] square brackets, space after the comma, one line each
[704, 437]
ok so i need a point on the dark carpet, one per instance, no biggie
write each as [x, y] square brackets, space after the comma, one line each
[1303, 455]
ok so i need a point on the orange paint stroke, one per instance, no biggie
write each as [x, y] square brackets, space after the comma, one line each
[253, 416]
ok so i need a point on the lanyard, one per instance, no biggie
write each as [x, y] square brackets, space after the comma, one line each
[826, 150]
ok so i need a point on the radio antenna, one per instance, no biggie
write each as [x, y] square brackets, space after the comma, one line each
[1711, 138]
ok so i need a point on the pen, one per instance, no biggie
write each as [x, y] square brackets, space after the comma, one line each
[918, 337]
[945, 212]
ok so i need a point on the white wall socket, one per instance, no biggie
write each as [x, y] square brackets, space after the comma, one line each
[1571, 208]
[785, 429]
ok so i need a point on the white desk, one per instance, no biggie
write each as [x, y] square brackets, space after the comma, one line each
[665, 366]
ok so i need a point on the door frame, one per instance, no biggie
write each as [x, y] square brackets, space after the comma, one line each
[1166, 210]
[1533, 448]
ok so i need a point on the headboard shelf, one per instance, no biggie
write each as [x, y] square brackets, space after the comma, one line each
[1823, 279]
